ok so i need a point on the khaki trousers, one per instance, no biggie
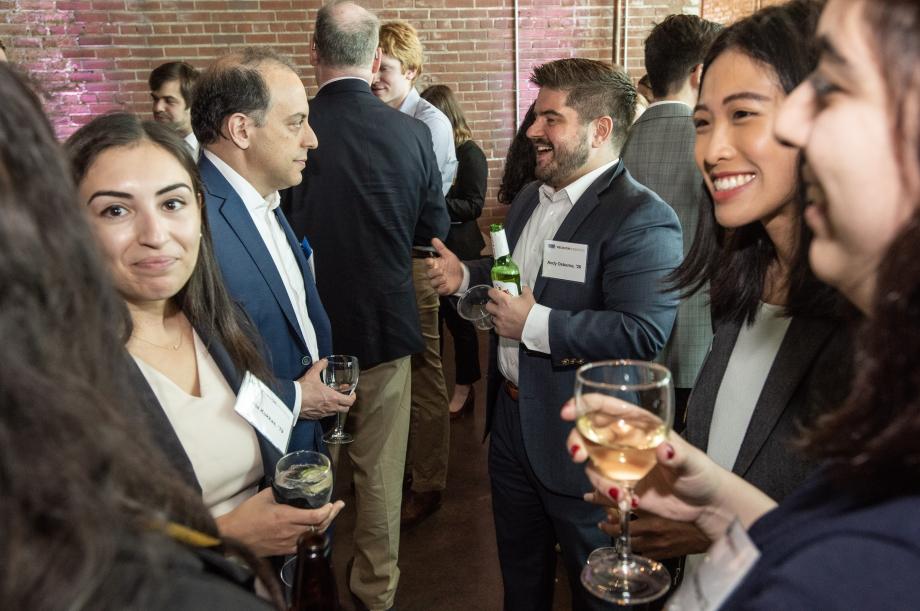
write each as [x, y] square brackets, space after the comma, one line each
[379, 421]
[429, 432]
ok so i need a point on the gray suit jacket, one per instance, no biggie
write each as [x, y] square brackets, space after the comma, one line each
[809, 375]
[619, 311]
[659, 154]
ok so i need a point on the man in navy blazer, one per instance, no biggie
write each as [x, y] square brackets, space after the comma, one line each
[251, 120]
[616, 306]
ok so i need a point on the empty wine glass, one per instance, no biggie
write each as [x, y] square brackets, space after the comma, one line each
[341, 374]
[472, 307]
[624, 411]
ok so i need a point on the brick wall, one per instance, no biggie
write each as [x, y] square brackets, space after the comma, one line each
[727, 11]
[93, 56]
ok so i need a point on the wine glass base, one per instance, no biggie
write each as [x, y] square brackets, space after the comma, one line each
[337, 439]
[639, 580]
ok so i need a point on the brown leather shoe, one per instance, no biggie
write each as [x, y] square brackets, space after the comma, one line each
[419, 505]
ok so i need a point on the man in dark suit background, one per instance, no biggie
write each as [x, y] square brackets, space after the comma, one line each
[368, 194]
[586, 202]
[659, 154]
[250, 116]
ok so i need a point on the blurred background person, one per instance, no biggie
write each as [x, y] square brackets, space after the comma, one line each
[92, 514]
[401, 63]
[520, 162]
[171, 86]
[644, 88]
[465, 201]
[191, 344]
[864, 209]
[780, 352]
[659, 154]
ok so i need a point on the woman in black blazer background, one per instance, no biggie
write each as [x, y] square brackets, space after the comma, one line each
[464, 203]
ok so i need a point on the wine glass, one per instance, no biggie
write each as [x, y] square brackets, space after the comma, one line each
[472, 307]
[303, 479]
[341, 374]
[624, 411]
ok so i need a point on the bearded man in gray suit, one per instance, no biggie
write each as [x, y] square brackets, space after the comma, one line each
[659, 154]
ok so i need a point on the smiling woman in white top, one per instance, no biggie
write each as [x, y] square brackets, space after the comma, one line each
[192, 345]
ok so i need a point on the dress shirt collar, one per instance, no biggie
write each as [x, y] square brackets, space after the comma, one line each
[663, 102]
[243, 188]
[574, 191]
[410, 103]
[342, 78]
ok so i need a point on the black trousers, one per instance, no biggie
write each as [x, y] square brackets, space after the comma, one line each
[530, 519]
[466, 342]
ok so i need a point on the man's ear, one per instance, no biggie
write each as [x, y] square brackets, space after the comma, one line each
[411, 74]
[696, 75]
[378, 57]
[603, 131]
[239, 130]
[314, 54]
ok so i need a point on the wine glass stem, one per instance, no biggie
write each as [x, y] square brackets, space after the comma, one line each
[339, 423]
[624, 548]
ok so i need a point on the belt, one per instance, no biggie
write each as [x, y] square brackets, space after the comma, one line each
[423, 254]
[511, 389]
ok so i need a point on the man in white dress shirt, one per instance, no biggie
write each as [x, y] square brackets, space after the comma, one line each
[250, 115]
[171, 85]
[593, 247]
[429, 431]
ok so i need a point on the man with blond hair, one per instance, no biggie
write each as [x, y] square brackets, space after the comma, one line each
[429, 433]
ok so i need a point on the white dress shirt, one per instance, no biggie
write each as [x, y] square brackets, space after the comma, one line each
[192, 143]
[442, 135]
[543, 224]
[262, 212]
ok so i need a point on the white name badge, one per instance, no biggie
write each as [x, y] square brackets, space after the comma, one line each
[262, 408]
[565, 260]
[726, 564]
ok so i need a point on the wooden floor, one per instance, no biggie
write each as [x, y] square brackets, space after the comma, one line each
[448, 562]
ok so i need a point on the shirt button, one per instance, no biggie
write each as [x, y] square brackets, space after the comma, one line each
[305, 360]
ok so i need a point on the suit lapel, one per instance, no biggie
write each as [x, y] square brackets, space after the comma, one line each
[234, 211]
[699, 414]
[801, 344]
[580, 211]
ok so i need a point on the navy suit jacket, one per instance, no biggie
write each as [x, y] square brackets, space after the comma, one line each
[162, 430]
[621, 310]
[253, 281]
[370, 191]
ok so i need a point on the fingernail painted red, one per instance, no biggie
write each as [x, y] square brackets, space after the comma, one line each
[669, 452]
[614, 494]
[575, 449]
[635, 503]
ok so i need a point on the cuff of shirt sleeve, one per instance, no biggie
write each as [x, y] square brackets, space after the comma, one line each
[297, 398]
[465, 283]
[536, 329]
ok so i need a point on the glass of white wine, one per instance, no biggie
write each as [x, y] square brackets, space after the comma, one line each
[341, 374]
[624, 411]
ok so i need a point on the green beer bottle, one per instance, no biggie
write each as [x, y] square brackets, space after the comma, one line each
[505, 273]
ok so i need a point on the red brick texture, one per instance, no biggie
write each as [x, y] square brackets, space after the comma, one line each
[94, 56]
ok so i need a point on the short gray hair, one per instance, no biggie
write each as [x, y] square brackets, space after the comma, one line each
[345, 41]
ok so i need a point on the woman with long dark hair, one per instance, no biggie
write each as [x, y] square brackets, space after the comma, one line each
[465, 200]
[850, 537]
[520, 162]
[191, 345]
[780, 346]
[92, 516]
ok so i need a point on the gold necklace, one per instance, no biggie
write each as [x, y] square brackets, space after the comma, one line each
[174, 347]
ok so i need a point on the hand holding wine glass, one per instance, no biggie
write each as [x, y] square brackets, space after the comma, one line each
[341, 375]
[623, 412]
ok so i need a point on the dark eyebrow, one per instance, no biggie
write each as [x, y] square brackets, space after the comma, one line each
[118, 194]
[746, 95]
[550, 112]
[178, 185]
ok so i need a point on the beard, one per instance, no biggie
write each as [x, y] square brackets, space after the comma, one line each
[567, 158]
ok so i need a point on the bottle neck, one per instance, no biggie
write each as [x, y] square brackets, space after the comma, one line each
[500, 245]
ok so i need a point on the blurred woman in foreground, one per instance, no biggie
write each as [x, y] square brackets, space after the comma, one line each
[91, 514]
[850, 536]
